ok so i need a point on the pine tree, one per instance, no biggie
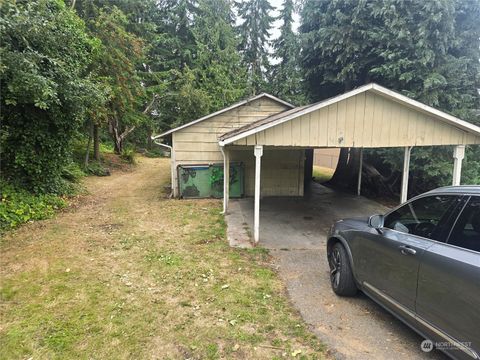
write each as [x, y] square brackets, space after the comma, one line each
[255, 33]
[218, 63]
[286, 78]
[429, 51]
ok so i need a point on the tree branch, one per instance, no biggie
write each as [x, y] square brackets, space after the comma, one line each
[149, 106]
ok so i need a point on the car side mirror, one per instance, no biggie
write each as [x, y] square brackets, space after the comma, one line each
[376, 221]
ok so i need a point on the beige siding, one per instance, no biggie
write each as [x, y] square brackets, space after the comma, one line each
[327, 157]
[366, 120]
[282, 171]
[281, 174]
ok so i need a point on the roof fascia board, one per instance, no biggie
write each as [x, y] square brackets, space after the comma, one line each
[231, 107]
[452, 120]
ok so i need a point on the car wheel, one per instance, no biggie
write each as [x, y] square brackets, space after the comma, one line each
[341, 276]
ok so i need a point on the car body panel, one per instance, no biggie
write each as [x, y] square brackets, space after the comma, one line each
[434, 289]
[449, 292]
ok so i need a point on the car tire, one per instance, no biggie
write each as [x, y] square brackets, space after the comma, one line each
[341, 276]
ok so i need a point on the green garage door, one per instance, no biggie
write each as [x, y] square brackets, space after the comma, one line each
[204, 181]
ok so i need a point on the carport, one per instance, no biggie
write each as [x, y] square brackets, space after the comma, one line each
[368, 117]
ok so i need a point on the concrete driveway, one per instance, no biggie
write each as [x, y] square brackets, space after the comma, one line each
[295, 232]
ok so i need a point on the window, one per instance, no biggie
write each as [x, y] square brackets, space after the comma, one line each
[466, 232]
[426, 217]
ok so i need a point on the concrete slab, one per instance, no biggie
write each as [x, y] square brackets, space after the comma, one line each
[238, 231]
[302, 223]
[294, 229]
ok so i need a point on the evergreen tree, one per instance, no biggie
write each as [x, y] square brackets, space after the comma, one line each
[286, 78]
[218, 63]
[429, 51]
[255, 33]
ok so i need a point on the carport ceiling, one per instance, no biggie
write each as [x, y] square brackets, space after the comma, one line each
[367, 117]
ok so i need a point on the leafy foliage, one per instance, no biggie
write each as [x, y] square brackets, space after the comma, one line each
[286, 77]
[429, 51]
[18, 206]
[46, 90]
[255, 33]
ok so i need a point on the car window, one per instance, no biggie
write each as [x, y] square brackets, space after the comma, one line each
[466, 232]
[423, 217]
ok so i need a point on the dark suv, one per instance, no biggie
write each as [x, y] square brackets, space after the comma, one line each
[420, 261]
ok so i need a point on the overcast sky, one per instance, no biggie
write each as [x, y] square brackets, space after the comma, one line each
[277, 4]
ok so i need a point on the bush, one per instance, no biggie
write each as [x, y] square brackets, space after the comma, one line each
[45, 93]
[72, 172]
[128, 155]
[95, 168]
[19, 206]
[155, 152]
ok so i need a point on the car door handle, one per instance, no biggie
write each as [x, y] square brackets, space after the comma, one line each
[407, 250]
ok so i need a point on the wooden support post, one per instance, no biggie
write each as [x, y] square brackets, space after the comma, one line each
[258, 152]
[359, 186]
[406, 170]
[458, 156]
[226, 180]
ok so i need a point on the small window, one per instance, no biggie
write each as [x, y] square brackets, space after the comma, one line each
[426, 217]
[466, 232]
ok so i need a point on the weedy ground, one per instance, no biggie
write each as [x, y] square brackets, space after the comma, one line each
[322, 174]
[130, 274]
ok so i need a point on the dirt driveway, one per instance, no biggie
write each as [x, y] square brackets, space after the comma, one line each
[129, 274]
[295, 232]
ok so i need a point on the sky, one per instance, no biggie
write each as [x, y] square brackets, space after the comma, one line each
[275, 32]
[277, 4]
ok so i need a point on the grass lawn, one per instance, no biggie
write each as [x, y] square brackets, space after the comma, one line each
[322, 174]
[130, 274]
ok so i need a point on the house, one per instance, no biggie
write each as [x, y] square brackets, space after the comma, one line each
[195, 151]
[273, 141]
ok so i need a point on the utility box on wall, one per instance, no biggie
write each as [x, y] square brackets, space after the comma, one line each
[205, 181]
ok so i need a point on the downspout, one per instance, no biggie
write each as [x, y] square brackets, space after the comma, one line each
[156, 140]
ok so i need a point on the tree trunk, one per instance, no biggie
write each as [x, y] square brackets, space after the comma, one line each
[353, 166]
[342, 168]
[87, 153]
[149, 138]
[96, 143]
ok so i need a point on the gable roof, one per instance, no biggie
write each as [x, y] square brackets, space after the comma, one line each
[243, 102]
[282, 117]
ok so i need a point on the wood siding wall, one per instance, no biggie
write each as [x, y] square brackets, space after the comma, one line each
[365, 120]
[198, 144]
[281, 173]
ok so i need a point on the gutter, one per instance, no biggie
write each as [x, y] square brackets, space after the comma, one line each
[157, 141]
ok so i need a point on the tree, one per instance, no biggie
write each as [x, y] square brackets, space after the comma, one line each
[193, 62]
[429, 51]
[255, 34]
[121, 52]
[46, 90]
[287, 80]
[217, 64]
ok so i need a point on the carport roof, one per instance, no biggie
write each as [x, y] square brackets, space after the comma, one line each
[276, 119]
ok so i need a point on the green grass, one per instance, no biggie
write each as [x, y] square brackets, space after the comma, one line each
[322, 174]
[160, 281]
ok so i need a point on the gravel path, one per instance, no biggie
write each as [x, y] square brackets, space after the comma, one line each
[355, 328]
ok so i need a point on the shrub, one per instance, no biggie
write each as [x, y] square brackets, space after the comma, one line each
[72, 172]
[18, 206]
[128, 155]
[95, 168]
